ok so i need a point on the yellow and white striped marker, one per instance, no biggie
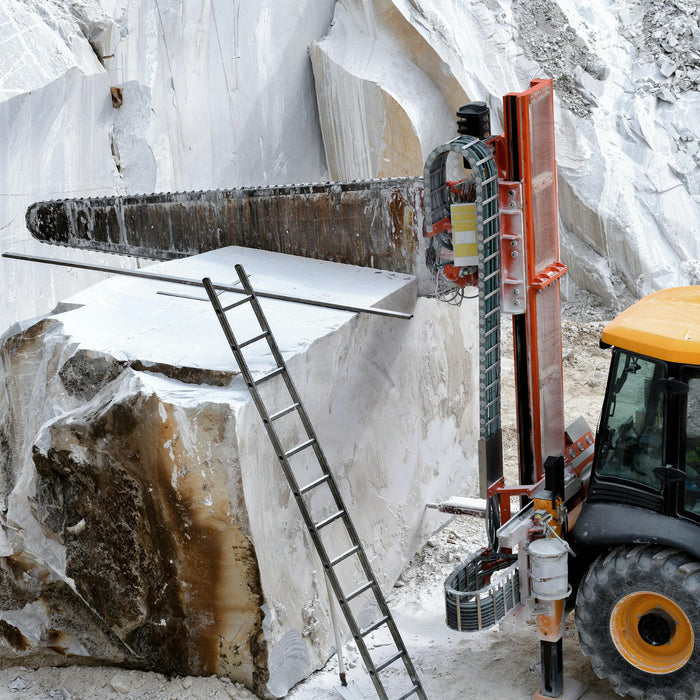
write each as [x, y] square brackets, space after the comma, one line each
[466, 250]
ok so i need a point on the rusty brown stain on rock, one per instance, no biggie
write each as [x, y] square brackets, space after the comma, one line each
[14, 637]
[86, 372]
[27, 340]
[150, 539]
[24, 581]
[123, 556]
[217, 561]
[117, 97]
[186, 375]
[401, 230]
[58, 640]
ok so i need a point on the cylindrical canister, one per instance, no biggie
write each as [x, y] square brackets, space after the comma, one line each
[549, 571]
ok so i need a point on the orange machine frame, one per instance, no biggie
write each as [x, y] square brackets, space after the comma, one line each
[525, 154]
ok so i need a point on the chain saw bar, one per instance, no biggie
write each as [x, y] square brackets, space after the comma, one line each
[371, 223]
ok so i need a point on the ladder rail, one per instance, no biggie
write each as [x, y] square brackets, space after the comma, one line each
[341, 514]
[301, 411]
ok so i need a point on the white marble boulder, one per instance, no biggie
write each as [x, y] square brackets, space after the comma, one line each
[145, 518]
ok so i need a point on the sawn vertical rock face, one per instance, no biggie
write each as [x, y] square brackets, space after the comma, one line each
[145, 520]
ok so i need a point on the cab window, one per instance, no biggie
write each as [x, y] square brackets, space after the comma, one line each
[692, 447]
[631, 430]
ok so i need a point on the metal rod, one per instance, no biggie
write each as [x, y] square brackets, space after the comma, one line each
[197, 283]
[336, 632]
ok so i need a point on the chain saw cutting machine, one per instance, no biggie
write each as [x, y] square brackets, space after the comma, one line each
[493, 228]
[496, 230]
[610, 528]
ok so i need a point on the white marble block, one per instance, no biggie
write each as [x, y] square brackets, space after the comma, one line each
[147, 520]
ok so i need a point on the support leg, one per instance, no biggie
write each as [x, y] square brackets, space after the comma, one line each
[552, 669]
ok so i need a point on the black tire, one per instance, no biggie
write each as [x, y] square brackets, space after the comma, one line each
[638, 618]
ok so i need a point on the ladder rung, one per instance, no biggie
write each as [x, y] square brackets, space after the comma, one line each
[269, 375]
[413, 690]
[255, 339]
[244, 300]
[390, 661]
[374, 626]
[358, 591]
[329, 520]
[301, 446]
[344, 555]
[283, 412]
[314, 484]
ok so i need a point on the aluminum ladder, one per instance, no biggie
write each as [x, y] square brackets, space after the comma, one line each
[324, 481]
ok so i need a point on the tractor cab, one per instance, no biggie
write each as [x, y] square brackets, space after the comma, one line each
[648, 443]
[637, 537]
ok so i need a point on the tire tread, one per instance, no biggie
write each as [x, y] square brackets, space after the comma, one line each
[677, 574]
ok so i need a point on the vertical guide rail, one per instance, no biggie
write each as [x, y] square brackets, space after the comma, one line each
[437, 200]
[480, 158]
[537, 336]
[326, 481]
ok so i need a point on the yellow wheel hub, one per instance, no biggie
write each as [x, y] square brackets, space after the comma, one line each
[652, 632]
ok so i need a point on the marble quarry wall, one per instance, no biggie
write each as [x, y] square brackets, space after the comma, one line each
[145, 519]
[627, 83]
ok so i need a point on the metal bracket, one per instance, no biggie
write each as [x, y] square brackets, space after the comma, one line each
[510, 202]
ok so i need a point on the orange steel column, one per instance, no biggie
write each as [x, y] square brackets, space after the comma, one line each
[529, 141]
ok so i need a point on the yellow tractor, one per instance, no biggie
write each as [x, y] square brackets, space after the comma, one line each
[636, 535]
